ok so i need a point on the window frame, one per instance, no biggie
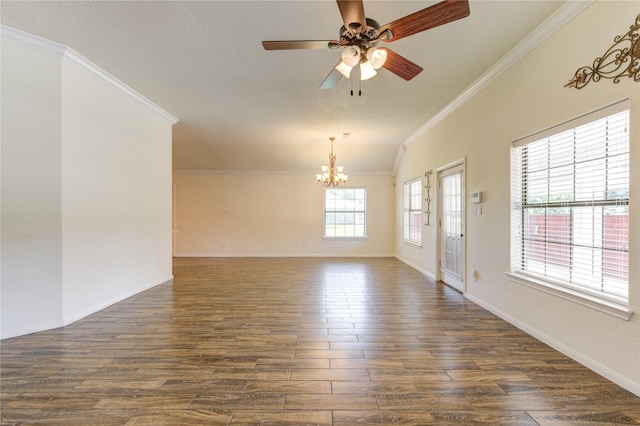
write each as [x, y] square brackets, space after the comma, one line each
[355, 211]
[616, 305]
[410, 211]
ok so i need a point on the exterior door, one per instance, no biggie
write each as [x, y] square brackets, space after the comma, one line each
[451, 227]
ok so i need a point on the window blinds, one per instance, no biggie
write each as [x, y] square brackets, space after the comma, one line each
[413, 211]
[570, 195]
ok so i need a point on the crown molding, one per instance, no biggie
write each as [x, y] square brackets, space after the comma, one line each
[32, 41]
[63, 52]
[311, 173]
[561, 17]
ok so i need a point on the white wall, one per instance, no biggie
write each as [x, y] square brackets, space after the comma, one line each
[86, 188]
[31, 191]
[116, 192]
[527, 98]
[273, 215]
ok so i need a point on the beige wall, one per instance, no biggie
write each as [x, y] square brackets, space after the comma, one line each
[527, 98]
[272, 215]
[86, 188]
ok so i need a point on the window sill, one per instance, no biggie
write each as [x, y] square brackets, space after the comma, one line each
[412, 243]
[610, 308]
[344, 238]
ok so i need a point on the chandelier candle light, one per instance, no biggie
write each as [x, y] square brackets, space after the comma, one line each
[331, 175]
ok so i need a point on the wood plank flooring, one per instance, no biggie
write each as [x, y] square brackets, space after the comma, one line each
[299, 341]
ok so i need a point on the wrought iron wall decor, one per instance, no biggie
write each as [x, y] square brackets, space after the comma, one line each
[428, 197]
[621, 60]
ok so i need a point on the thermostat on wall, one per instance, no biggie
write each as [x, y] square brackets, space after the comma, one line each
[476, 196]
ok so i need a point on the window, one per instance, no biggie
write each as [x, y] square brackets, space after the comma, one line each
[413, 211]
[344, 212]
[570, 215]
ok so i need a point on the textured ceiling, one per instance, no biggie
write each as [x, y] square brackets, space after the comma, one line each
[243, 108]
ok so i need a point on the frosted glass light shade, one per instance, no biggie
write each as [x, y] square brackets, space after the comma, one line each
[344, 69]
[366, 70]
[377, 57]
[351, 55]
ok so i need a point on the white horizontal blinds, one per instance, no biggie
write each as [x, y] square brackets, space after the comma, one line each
[516, 210]
[413, 211]
[345, 212]
[573, 198]
[406, 209]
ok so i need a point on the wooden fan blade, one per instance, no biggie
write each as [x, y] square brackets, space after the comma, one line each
[431, 17]
[400, 65]
[299, 44]
[332, 79]
[352, 12]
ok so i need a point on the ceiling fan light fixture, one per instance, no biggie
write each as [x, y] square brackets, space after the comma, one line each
[344, 69]
[351, 55]
[366, 70]
[360, 34]
[377, 57]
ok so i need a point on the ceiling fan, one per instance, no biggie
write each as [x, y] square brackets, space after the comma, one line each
[360, 35]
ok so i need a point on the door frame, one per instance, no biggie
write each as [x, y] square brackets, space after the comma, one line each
[461, 163]
[174, 219]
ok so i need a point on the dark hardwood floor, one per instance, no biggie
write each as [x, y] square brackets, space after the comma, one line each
[299, 341]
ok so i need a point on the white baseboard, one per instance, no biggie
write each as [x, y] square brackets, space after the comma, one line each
[34, 328]
[579, 357]
[345, 255]
[79, 315]
[590, 363]
[416, 267]
[31, 328]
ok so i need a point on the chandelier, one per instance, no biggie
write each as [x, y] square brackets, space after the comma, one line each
[331, 175]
